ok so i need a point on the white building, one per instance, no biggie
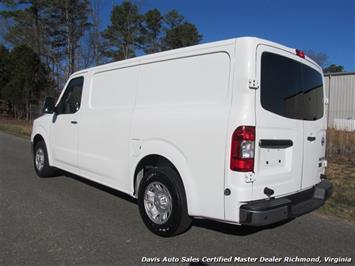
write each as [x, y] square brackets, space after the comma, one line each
[340, 90]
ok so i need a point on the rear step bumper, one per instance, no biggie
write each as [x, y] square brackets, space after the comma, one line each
[264, 212]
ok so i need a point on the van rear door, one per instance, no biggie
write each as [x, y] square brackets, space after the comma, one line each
[314, 127]
[279, 136]
[290, 123]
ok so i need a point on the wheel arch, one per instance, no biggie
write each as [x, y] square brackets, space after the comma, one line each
[37, 138]
[40, 135]
[149, 161]
[163, 154]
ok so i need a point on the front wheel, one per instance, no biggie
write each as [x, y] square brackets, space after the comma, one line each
[162, 202]
[40, 161]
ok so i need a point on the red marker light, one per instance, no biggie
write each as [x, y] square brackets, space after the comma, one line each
[300, 53]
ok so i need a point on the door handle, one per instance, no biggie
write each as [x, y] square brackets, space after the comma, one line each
[311, 138]
[275, 143]
[74, 122]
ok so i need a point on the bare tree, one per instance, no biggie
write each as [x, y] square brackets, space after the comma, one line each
[319, 57]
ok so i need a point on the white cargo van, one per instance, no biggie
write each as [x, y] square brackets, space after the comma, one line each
[232, 131]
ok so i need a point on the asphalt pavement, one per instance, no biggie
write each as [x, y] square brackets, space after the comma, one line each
[67, 220]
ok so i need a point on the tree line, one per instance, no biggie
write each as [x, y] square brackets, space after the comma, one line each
[47, 40]
[322, 60]
[23, 79]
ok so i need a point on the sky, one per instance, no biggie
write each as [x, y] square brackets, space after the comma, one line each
[326, 26]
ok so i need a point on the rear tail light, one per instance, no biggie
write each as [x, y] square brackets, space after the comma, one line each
[243, 149]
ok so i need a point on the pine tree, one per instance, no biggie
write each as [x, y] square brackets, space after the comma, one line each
[182, 35]
[178, 32]
[25, 23]
[67, 21]
[27, 80]
[123, 36]
[4, 67]
[151, 30]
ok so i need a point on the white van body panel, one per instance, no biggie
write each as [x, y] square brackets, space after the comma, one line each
[183, 105]
[197, 86]
[103, 160]
[242, 113]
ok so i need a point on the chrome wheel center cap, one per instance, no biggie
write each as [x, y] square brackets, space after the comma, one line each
[163, 200]
[157, 202]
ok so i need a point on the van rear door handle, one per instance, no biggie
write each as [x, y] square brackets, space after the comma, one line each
[311, 138]
[74, 122]
[275, 143]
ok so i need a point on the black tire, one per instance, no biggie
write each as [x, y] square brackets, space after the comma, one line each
[45, 170]
[178, 221]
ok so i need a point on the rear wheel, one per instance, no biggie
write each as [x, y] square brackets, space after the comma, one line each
[162, 202]
[40, 161]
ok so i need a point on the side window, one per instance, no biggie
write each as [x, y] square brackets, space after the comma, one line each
[70, 102]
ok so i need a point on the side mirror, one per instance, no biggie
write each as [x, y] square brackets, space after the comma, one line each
[49, 105]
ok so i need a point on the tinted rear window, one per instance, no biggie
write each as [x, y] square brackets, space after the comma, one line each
[290, 89]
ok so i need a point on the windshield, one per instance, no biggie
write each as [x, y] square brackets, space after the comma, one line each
[290, 89]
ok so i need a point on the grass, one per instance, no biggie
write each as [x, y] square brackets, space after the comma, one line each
[16, 127]
[340, 143]
[341, 173]
[340, 170]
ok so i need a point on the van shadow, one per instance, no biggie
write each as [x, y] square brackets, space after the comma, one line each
[104, 188]
[230, 229]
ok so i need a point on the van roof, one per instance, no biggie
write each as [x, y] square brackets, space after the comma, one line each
[138, 59]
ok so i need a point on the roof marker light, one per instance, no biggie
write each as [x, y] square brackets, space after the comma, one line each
[300, 53]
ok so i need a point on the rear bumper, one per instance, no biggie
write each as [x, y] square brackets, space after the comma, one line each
[264, 212]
